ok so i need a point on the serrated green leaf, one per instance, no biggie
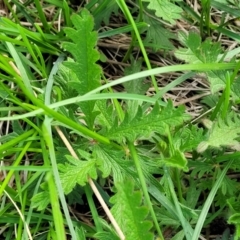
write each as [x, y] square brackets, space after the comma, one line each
[188, 138]
[64, 76]
[143, 125]
[106, 236]
[129, 213]
[76, 171]
[17, 128]
[166, 218]
[41, 200]
[80, 233]
[179, 236]
[76, 196]
[223, 133]
[157, 37]
[112, 161]
[107, 233]
[234, 219]
[137, 86]
[165, 9]
[217, 80]
[205, 52]
[198, 52]
[210, 100]
[193, 194]
[229, 186]
[193, 42]
[105, 118]
[85, 55]
[8, 137]
[176, 160]
[132, 107]
[233, 204]
[103, 12]
[235, 89]
[200, 168]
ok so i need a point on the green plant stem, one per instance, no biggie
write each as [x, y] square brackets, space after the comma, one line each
[209, 201]
[62, 118]
[214, 179]
[221, 100]
[16, 140]
[120, 30]
[101, 6]
[93, 208]
[7, 4]
[130, 49]
[91, 4]
[144, 187]
[21, 224]
[226, 93]
[175, 170]
[140, 10]
[9, 144]
[57, 215]
[205, 17]
[167, 69]
[117, 105]
[47, 130]
[184, 223]
[41, 14]
[66, 13]
[179, 186]
[59, 117]
[132, 22]
[140, 173]
[21, 68]
[87, 96]
[30, 49]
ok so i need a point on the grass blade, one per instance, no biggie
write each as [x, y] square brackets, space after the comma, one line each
[209, 201]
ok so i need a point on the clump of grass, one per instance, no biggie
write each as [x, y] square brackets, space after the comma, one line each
[81, 159]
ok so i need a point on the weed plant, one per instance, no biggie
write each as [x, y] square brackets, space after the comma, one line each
[119, 120]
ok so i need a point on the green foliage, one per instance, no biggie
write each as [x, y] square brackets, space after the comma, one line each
[64, 78]
[106, 236]
[80, 234]
[223, 133]
[229, 186]
[163, 168]
[144, 124]
[129, 212]
[229, 6]
[77, 171]
[193, 194]
[200, 168]
[112, 162]
[157, 37]
[137, 86]
[103, 11]
[105, 118]
[165, 9]
[41, 199]
[85, 55]
[197, 52]
[177, 159]
[235, 89]
[188, 138]
[234, 218]
[107, 233]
